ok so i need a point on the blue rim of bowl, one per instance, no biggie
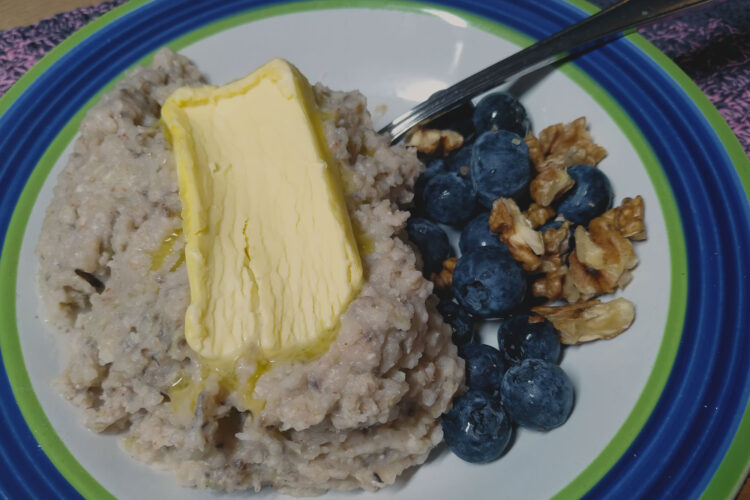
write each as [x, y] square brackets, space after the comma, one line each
[687, 439]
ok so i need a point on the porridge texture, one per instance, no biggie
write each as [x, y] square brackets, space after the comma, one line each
[113, 281]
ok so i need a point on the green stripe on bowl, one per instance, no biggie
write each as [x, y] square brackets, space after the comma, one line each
[12, 356]
[733, 469]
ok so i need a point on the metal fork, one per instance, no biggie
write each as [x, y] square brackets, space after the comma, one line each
[610, 22]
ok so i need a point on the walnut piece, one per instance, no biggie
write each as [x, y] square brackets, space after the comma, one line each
[452, 140]
[550, 285]
[430, 140]
[592, 320]
[444, 278]
[603, 256]
[538, 215]
[514, 229]
[629, 218]
[425, 140]
[557, 240]
[536, 154]
[549, 184]
[564, 145]
[556, 245]
[600, 262]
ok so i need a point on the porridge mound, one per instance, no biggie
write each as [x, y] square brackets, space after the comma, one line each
[113, 280]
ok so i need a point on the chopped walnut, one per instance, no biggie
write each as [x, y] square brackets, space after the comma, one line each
[565, 145]
[629, 218]
[557, 240]
[535, 318]
[452, 140]
[570, 293]
[536, 154]
[582, 283]
[556, 245]
[538, 215]
[603, 256]
[600, 262]
[550, 285]
[425, 140]
[514, 229]
[592, 320]
[559, 137]
[444, 278]
[549, 184]
[431, 140]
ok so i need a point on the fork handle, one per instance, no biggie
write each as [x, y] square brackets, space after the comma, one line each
[622, 16]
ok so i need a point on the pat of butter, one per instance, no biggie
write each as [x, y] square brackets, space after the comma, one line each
[270, 253]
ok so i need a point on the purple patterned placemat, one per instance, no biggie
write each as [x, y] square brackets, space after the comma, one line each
[21, 48]
[716, 55]
[712, 46]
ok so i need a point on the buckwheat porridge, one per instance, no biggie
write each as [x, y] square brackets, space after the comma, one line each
[113, 279]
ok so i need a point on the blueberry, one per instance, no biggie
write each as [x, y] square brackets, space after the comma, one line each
[434, 167]
[477, 234]
[460, 320]
[431, 241]
[555, 224]
[485, 367]
[501, 111]
[460, 162]
[517, 339]
[448, 198]
[488, 282]
[476, 429]
[590, 197]
[500, 166]
[537, 394]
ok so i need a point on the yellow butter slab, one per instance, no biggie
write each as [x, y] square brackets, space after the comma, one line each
[270, 253]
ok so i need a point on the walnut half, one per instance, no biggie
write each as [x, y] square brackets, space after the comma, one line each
[587, 321]
[564, 146]
[549, 184]
[430, 140]
[539, 215]
[550, 283]
[600, 263]
[629, 218]
[514, 229]
[557, 240]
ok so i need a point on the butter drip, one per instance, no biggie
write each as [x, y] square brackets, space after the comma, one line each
[166, 250]
[184, 391]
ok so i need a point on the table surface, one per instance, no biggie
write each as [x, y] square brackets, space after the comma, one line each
[15, 13]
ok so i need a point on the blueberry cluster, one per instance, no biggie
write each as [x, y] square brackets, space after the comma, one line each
[520, 383]
[517, 384]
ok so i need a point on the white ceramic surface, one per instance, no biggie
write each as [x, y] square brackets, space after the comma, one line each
[384, 54]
